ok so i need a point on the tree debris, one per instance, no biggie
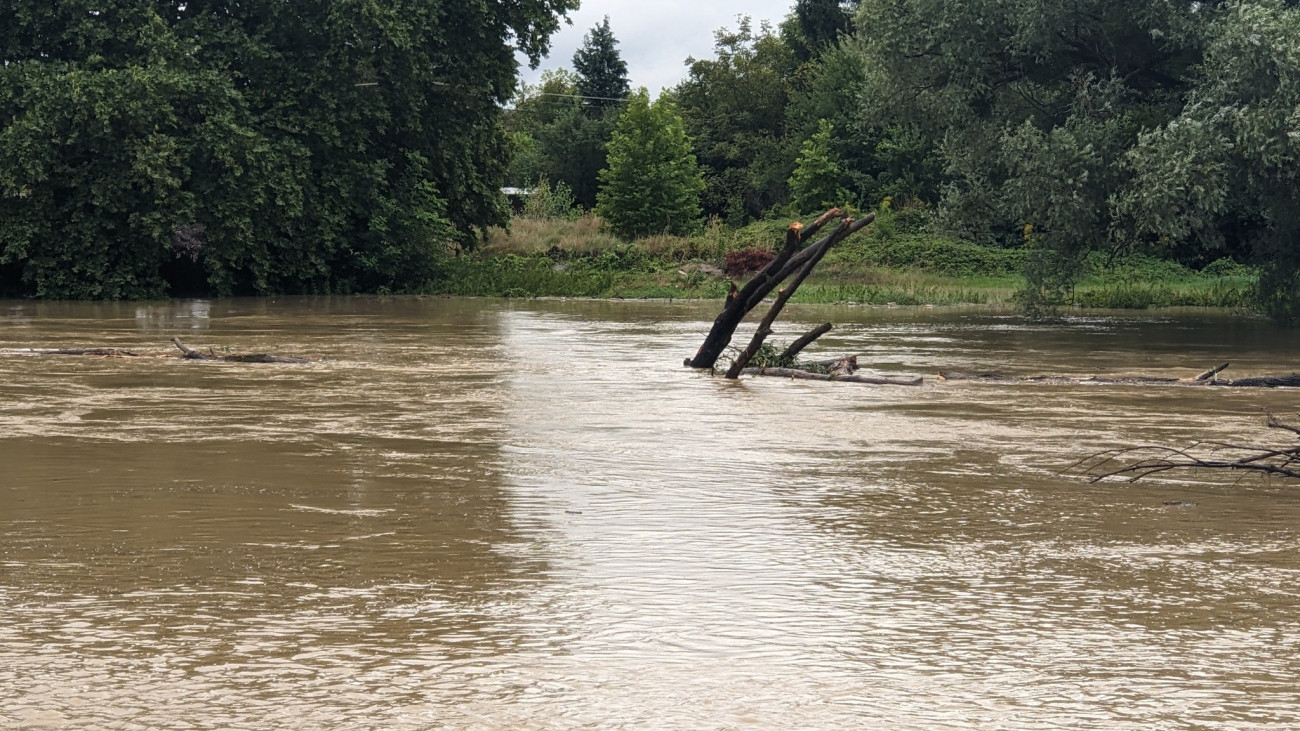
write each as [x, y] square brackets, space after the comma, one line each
[1207, 378]
[788, 261]
[187, 353]
[1135, 463]
[794, 264]
[192, 354]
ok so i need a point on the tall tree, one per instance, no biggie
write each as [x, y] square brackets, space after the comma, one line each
[652, 184]
[735, 107]
[818, 25]
[312, 146]
[557, 138]
[602, 73]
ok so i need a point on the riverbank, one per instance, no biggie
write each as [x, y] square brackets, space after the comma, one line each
[890, 264]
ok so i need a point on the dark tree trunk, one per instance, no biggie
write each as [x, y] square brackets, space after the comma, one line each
[740, 302]
[818, 250]
[807, 339]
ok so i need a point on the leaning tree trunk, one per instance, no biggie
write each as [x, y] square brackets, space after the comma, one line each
[846, 229]
[740, 302]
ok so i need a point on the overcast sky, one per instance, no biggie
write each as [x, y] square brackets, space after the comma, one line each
[656, 36]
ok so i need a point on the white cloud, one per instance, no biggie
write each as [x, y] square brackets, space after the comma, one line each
[656, 37]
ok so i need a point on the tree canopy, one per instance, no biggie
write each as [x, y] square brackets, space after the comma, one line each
[342, 145]
[1084, 126]
[602, 73]
[735, 106]
[652, 184]
[251, 147]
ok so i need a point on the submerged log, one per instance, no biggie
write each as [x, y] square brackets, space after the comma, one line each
[192, 354]
[186, 352]
[811, 376]
[103, 352]
[1208, 378]
[999, 378]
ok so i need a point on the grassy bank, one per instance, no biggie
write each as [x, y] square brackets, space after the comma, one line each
[578, 258]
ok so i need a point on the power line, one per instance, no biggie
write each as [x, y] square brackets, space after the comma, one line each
[580, 96]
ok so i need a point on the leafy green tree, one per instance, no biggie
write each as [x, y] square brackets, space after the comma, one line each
[1223, 177]
[1032, 108]
[817, 26]
[652, 184]
[602, 73]
[734, 106]
[251, 147]
[816, 183]
[557, 137]
[879, 157]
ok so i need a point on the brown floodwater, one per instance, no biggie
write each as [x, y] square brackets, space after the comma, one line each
[487, 514]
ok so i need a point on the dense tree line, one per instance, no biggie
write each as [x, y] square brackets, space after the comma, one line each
[1065, 128]
[257, 146]
[345, 145]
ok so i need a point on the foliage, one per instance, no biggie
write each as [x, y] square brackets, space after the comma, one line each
[558, 134]
[931, 253]
[735, 107]
[547, 201]
[1032, 108]
[768, 356]
[318, 147]
[817, 181]
[602, 73]
[652, 184]
[879, 155]
[558, 137]
[817, 26]
[1224, 175]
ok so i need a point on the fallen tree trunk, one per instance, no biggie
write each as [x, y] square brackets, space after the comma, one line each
[192, 354]
[1208, 378]
[1284, 462]
[811, 376]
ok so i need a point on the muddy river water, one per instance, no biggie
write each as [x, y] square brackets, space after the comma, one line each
[488, 514]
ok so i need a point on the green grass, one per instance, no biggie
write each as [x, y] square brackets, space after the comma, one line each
[579, 258]
[1142, 282]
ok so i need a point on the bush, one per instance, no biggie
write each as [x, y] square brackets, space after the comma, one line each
[546, 202]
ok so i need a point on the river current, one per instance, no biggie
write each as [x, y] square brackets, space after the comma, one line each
[488, 514]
